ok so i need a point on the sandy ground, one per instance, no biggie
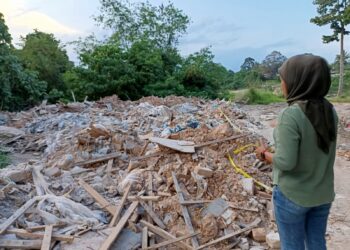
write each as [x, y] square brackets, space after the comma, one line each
[338, 232]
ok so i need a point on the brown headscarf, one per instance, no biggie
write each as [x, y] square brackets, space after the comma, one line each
[308, 81]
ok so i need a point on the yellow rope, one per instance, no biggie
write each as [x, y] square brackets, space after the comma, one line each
[241, 171]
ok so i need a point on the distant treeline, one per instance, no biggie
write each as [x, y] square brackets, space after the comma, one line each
[140, 58]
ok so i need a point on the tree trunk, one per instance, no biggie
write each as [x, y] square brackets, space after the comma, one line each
[341, 64]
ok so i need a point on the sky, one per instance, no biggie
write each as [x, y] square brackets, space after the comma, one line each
[235, 29]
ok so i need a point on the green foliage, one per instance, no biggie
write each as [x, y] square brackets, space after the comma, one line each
[245, 79]
[4, 160]
[43, 53]
[335, 85]
[171, 86]
[257, 96]
[131, 22]
[19, 87]
[201, 76]
[336, 13]
[271, 63]
[249, 64]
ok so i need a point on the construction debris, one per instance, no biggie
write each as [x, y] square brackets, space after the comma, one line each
[273, 240]
[151, 173]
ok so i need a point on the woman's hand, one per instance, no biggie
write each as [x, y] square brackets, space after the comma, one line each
[260, 153]
[263, 154]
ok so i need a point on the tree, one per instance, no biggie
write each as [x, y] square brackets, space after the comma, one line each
[249, 64]
[19, 87]
[336, 13]
[43, 53]
[336, 63]
[271, 63]
[162, 24]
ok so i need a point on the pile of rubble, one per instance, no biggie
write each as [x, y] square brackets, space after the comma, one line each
[150, 174]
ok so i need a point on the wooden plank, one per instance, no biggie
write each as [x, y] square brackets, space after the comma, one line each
[153, 215]
[248, 228]
[98, 198]
[204, 144]
[231, 205]
[17, 214]
[182, 146]
[109, 166]
[195, 202]
[113, 156]
[169, 242]
[144, 198]
[152, 240]
[97, 160]
[116, 230]
[185, 212]
[242, 208]
[164, 234]
[20, 244]
[144, 148]
[46, 244]
[120, 207]
[144, 237]
[26, 234]
[42, 227]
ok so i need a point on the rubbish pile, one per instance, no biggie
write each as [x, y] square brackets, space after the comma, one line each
[157, 173]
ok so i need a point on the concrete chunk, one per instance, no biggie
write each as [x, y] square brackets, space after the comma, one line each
[217, 207]
[248, 185]
[52, 172]
[273, 240]
[203, 171]
[259, 234]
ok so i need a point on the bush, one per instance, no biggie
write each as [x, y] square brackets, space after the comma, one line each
[257, 96]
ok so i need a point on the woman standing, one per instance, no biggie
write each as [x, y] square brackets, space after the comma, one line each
[305, 141]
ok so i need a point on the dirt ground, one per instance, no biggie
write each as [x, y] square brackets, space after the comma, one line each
[338, 232]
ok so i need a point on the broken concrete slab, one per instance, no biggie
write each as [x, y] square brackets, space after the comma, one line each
[273, 240]
[203, 171]
[127, 240]
[216, 207]
[248, 185]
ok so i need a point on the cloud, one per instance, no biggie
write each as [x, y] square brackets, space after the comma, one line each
[213, 32]
[22, 19]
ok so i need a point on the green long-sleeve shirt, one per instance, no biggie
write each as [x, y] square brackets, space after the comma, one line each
[303, 172]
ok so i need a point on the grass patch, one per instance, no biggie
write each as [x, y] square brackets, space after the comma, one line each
[256, 96]
[4, 160]
[340, 99]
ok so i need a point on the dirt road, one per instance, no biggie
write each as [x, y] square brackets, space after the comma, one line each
[338, 232]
